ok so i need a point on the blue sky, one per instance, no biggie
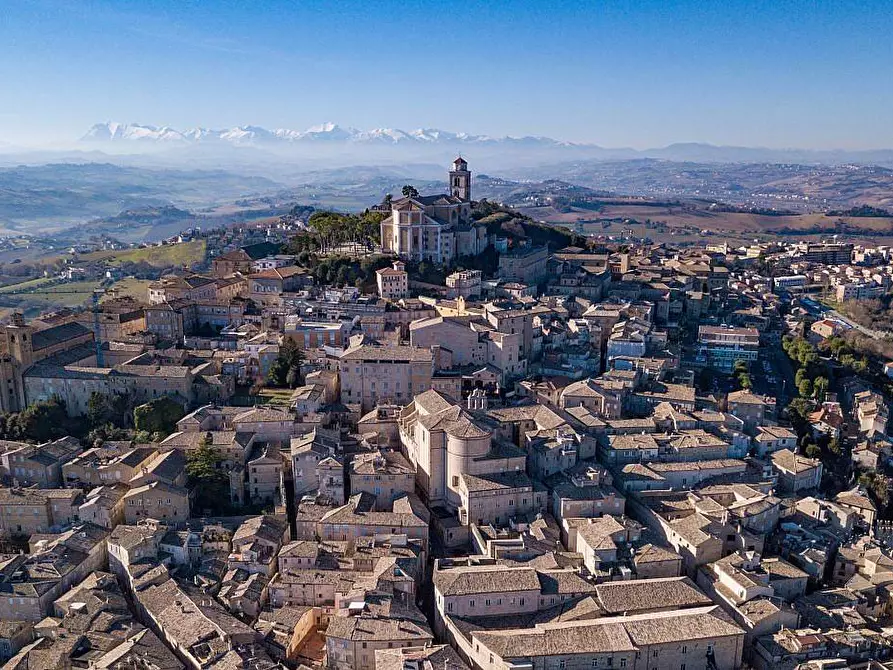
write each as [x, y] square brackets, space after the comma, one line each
[814, 74]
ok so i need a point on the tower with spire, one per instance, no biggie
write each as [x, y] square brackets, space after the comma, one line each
[460, 179]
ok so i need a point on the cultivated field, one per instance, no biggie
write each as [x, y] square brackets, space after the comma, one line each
[163, 256]
[129, 287]
[688, 222]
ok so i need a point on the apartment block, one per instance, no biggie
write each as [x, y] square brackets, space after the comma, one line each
[721, 347]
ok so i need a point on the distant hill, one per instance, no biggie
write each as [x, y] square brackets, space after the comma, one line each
[54, 196]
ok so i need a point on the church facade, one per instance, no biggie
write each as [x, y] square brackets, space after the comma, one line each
[436, 228]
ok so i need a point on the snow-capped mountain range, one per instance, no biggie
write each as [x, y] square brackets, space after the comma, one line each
[326, 132]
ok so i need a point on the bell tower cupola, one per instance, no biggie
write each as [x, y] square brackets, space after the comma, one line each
[460, 179]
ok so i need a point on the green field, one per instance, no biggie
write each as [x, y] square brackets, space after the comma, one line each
[70, 294]
[129, 287]
[27, 285]
[268, 396]
[186, 253]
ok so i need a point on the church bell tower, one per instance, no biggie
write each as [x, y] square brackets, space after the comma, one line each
[460, 179]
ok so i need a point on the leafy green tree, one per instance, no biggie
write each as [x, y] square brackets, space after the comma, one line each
[113, 409]
[106, 432]
[805, 388]
[158, 416]
[741, 367]
[286, 369]
[293, 378]
[705, 378]
[410, 191]
[820, 388]
[813, 450]
[40, 422]
[877, 485]
[207, 479]
[834, 446]
[278, 373]
[798, 411]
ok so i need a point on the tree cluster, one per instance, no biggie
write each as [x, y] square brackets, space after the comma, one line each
[348, 271]
[332, 229]
[742, 374]
[39, 422]
[207, 478]
[285, 372]
[875, 314]
[878, 487]
[158, 417]
[811, 378]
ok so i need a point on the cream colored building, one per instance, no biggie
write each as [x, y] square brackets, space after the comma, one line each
[28, 511]
[104, 506]
[393, 282]
[446, 442]
[464, 284]
[357, 518]
[697, 639]
[435, 228]
[385, 474]
[746, 589]
[379, 374]
[105, 466]
[351, 642]
[256, 543]
[463, 341]
[157, 500]
[265, 475]
[640, 624]
[796, 472]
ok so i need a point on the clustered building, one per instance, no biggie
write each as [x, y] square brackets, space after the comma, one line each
[580, 462]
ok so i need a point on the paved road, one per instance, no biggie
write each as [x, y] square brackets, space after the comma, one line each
[875, 334]
[781, 368]
[817, 310]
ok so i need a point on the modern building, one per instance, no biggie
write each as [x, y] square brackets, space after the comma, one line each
[829, 254]
[720, 347]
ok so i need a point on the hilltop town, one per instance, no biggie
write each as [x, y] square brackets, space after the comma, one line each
[438, 434]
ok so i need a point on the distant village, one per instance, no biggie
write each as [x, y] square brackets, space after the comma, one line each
[569, 456]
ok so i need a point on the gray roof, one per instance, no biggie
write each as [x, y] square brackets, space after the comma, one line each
[52, 336]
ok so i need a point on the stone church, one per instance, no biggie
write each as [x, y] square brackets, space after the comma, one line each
[436, 228]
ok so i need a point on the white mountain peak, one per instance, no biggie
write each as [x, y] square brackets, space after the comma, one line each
[329, 132]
